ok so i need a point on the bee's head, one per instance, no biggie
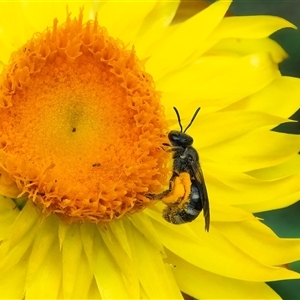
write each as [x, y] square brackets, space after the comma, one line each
[181, 139]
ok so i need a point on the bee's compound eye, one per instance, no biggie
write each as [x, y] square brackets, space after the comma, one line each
[175, 138]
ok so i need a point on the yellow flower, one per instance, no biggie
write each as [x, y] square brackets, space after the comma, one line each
[81, 129]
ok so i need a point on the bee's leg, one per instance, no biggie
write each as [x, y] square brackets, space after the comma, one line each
[157, 196]
[171, 182]
[166, 192]
[179, 190]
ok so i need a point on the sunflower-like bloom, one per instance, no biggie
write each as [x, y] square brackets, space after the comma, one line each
[84, 110]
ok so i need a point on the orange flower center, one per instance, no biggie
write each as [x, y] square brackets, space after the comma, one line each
[81, 124]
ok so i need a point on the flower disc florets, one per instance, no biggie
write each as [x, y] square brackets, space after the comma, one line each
[81, 124]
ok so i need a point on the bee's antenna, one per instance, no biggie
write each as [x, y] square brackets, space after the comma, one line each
[178, 117]
[193, 118]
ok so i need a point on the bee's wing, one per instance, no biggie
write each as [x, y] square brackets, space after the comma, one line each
[198, 174]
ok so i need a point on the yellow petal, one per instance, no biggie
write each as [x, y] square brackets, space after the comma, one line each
[206, 130]
[175, 49]
[145, 226]
[7, 186]
[47, 281]
[124, 19]
[83, 279]
[30, 17]
[270, 99]
[155, 25]
[121, 258]
[234, 77]
[21, 234]
[71, 255]
[287, 168]
[107, 281]
[43, 243]
[202, 284]
[235, 188]
[147, 257]
[88, 231]
[12, 286]
[11, 36]
[250, 27]
[162, 13]
[250, 156]
[8, 214]
[118, 231]
[6, 49]
[276, 203]
[207, 245]
[221, 212]
[14, 249]
[62, 233]
[246, 46]
[94, 291]
[259, 241]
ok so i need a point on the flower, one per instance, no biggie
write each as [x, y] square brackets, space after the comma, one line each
[75, 170]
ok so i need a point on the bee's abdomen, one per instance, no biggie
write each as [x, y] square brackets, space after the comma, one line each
[188, 212]
[195, 202]
[177, 215]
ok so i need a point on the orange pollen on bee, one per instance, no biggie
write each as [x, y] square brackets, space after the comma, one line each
[180, 191]
[81, 125]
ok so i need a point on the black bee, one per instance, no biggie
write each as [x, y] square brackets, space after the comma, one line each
[185, 160]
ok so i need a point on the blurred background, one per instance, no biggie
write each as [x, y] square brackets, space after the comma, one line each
[285, 222]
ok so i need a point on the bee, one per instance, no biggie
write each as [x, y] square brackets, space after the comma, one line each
[185, 162]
